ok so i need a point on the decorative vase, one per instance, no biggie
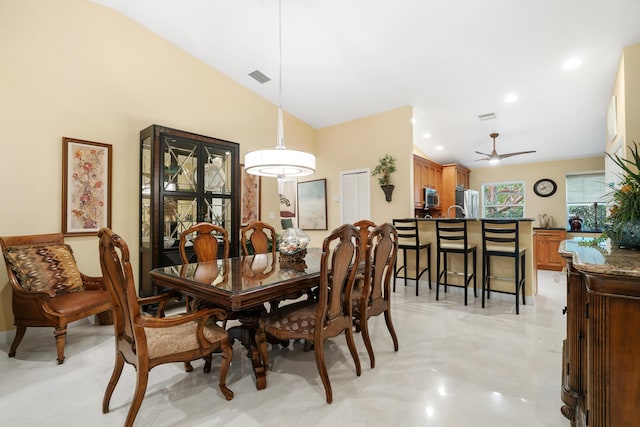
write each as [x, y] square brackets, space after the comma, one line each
[292, 241]
[388, 190]
[625, 235]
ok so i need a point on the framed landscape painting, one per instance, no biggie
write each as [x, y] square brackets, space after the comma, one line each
[312, 205]
[86, 186]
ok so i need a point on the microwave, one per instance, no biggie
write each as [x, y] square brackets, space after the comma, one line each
[431, 197]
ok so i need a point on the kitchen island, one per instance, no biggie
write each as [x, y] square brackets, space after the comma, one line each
[502, 268]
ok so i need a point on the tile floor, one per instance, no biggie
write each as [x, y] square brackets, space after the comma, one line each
[457, 366]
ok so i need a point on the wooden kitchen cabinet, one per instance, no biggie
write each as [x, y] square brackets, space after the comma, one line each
[453, 176]
[426, 173]
[547, 241]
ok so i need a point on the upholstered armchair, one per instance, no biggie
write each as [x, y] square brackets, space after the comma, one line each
[145, 341]
[47, 288]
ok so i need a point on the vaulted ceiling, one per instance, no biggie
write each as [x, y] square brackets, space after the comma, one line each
[452, 61]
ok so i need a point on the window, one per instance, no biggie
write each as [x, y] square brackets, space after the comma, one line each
[586, 198]
[503, 200]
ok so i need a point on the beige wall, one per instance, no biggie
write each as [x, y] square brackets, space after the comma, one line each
[359, 144]
[626, 88]
[73, 68]
[529, 173]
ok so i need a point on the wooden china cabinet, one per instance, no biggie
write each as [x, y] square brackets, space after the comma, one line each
[185, 178]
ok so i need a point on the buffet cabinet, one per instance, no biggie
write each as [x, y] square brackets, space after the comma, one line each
[185, 178]
[601, 352]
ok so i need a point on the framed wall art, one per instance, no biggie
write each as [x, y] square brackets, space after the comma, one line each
[312, 205]
[250, 200]
[86, 186]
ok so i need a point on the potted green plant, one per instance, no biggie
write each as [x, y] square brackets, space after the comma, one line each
[622, 225]
[386, 166]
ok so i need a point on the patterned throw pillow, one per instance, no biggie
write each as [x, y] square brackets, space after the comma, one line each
[50, 268]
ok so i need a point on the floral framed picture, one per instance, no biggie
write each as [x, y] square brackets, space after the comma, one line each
[250, 210]
[312, 205]
[86, 186]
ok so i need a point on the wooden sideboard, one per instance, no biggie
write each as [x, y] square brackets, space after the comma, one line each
[547, 241]
[601, 352]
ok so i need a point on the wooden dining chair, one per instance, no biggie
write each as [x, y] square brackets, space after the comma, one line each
[329, 315]
[145, 341]
[259, 238]
[373, 297]
[207, 242]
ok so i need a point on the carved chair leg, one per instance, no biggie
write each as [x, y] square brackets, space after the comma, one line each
[60, 334]
[367, 341]
[188, 367]
[322, 370]
[113, 381]
[138, 396]
[20, 330]
[227, 355]
[207, 364]
[351, 343]
[392, 331]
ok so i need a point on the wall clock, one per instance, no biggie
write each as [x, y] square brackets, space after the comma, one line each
[545, 187]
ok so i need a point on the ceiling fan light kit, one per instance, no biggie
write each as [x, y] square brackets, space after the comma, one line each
[494, 157]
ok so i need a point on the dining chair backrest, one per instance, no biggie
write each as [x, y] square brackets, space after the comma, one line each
[500, 235]
[206, 239]
[383, 245]
[364, 227]
[338, 265]
[261, 236]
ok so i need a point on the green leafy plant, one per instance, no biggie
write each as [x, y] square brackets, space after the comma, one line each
[386, 166]
[624, 207]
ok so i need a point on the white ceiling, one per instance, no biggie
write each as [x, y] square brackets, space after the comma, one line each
[452, 60]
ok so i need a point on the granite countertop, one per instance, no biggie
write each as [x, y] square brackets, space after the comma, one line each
[602, 260]
[475, 219]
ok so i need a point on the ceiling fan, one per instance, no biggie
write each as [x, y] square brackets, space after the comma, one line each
[494, 157]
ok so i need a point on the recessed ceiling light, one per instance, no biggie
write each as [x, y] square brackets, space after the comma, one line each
[426, 135]
[439, 147]
[413, 120]
[510, 98]
[572, 63]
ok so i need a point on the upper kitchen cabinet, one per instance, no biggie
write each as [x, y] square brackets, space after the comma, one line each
[453, 176]
[426, 174]
[185, 179]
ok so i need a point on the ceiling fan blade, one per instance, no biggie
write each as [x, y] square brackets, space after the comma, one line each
[484, 154]
[504, 156]
[479, 160]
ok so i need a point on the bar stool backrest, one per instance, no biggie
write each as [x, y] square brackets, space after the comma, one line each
[500, 236]
[407, 229]
[452, 234]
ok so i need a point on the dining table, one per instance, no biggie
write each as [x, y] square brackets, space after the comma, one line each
[243, 285]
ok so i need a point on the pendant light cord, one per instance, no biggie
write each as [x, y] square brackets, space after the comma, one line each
[280, 141]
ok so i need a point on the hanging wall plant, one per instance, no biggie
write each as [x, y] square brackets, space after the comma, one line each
[386, 166]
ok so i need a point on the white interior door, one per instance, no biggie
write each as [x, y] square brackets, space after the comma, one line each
[355, 196]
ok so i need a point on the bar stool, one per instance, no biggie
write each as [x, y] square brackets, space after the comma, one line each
[409, 240]
[500, 237]
[451, 235]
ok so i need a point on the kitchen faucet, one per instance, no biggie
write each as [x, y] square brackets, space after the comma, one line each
[464, 213]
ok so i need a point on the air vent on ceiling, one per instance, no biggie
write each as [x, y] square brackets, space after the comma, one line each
[488, 116]
[261, 78]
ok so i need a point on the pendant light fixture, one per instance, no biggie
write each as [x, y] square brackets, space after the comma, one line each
[280, 162]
